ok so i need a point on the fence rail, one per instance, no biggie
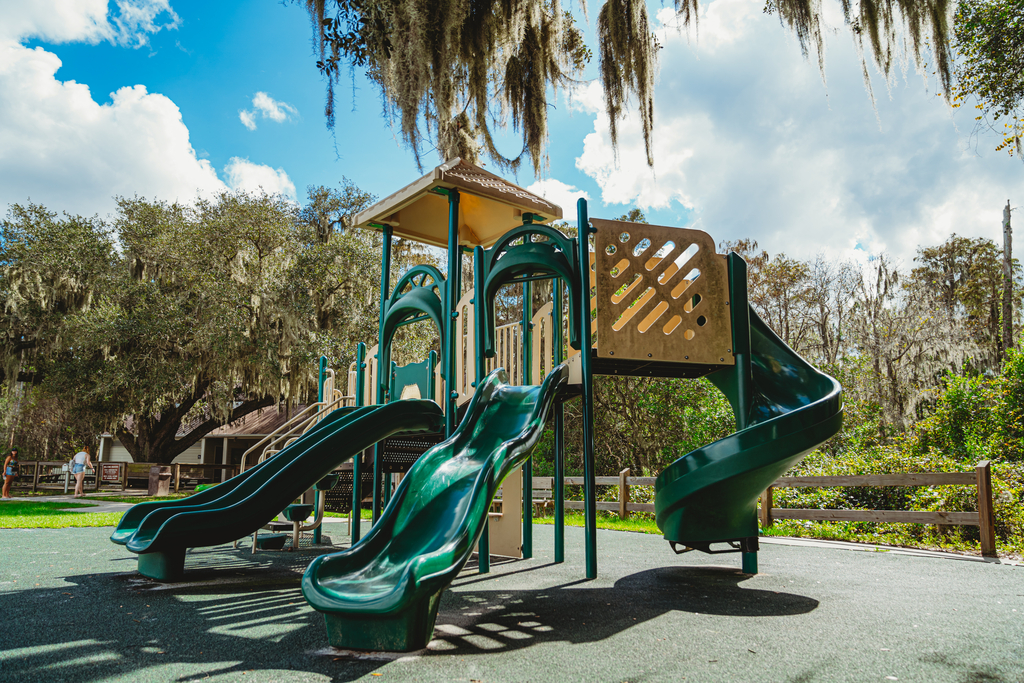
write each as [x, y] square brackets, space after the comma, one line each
[542, 493]
[44, 475]
[981, 478]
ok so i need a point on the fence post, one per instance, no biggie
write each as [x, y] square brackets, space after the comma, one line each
[986, 520]
[624, 494]
[766, 508]
[177, 476]
[124, 475]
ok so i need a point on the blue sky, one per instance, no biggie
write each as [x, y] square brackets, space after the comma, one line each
[148, 98]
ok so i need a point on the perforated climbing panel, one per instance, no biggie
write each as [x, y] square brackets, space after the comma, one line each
[662, 295]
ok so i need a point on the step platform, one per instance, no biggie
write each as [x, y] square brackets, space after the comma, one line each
[271, 541]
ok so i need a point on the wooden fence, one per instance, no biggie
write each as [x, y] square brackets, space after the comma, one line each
[981, 478]
[542, 493]
[44, 475]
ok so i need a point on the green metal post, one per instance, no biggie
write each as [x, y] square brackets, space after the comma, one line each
[323, 378]
[589, 488]
[484, 545]
[559, 482]
[317, 532]
[393, 394]
[357, 473]
[743, 375]
[320, 397]
[431, 382]
[527, 361]
[452, 294]
[383, 361]
[749, 562]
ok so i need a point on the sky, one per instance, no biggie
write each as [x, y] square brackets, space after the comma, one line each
[170, 99]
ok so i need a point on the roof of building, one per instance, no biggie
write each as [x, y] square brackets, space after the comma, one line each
[489, 207]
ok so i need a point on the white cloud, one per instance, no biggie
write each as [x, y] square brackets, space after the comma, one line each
[750, 143]
[242, 174]
[247, 119]
[560, 193]
[61, 148]
[88, 21]
[266, 107]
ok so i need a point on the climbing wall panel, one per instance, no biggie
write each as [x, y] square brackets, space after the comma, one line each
[662, 294]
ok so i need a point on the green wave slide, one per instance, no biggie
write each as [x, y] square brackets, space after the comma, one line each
[161, 531]
[383, 593]
[710, 495]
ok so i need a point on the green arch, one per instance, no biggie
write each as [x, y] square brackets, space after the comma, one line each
[505, 263]
[423, 299]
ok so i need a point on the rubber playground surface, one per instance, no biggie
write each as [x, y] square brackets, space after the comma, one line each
[75, 610]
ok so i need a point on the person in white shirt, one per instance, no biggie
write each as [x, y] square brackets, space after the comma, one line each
[79, 462]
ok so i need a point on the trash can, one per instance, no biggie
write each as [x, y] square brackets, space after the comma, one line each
[159, 480]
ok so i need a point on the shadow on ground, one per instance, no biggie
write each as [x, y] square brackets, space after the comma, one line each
[473, 621]
[237, 612]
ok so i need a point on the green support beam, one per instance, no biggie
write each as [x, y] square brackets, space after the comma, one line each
[559, 482]
[452, 293]
[383, 361]
[527, 361]
[357, 472]
[318, 532]
[484, 549]
[583, 311]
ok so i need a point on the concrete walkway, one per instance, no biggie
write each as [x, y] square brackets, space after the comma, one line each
[76, 610]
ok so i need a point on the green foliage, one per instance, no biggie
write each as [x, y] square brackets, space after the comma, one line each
[641, 423]
[974, 419]
[462, 67]
[172, 320]
[990, 42]
[454, 61]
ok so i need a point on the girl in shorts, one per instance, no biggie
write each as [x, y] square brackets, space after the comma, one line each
[79, 462]
[10, 472]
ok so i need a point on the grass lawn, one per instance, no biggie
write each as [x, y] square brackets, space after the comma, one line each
[606, 521]
[16, 514]
[364, 514]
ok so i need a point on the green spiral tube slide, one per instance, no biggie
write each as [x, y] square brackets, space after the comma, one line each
[710, 495]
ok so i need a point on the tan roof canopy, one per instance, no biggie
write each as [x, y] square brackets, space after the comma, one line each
[488, 207]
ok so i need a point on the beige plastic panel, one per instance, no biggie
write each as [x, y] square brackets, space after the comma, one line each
[662, 294]
[505, 530]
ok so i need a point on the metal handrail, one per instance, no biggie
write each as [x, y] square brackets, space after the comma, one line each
[274, 433]
[310, 421]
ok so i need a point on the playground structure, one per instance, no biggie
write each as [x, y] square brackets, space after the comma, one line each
[641, 300]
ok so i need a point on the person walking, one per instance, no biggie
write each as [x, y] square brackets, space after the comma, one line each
[79, 462]
[10, 472]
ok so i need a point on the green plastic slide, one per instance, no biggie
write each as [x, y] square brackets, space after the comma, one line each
[383, 593]
[161, 531]
[710, 495]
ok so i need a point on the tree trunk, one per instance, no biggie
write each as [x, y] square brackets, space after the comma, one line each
[155, 436]
[1007, 281]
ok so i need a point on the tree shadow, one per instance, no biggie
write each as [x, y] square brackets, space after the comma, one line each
[234, 613]
[967, 673]
[479, 621]
[237, 612]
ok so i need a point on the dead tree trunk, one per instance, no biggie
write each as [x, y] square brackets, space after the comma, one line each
[1007, 281]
